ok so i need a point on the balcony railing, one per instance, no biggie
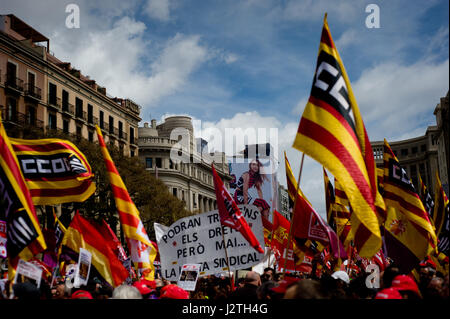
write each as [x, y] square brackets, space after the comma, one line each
[21, 119]
[81, 115]
[54, 101]
[68, 108]
[33, 91]
[14, 82]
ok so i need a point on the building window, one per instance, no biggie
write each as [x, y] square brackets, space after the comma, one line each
[11, 74]
[52, 94]
[171, 166]
[66, 126]
[11, 112]
[404, 152]
[423, 148]
[52, 121]
[78, 107]
[414, 150]
[90, 114]
[78, 131]
[101, 119]
[120, 129]
[174, 192]
[132, 153]
[65, 100]
[111, 125]
[158, 162]
[91, 136]
[148, 162]
[131, 135]
[31, 115]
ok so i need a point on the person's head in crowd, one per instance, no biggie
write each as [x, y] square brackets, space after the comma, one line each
[283, 285]
[240, 282]
[26, 291]
[145, 287]
[435, 289]
[427, 271]
[304, 289]
[253, 278]
[265, 290]
[388, 275]
[342, 279]
[358, 289]
[173, 291]
[81, 294]
[125, 291]
[388, 293]
[407, 287]
[268, 274]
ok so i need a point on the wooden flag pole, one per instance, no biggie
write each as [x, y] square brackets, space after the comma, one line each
[293, 215]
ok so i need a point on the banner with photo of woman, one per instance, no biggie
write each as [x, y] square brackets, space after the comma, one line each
[254, 183]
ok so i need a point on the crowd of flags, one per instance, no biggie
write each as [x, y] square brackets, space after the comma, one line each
[371, 213]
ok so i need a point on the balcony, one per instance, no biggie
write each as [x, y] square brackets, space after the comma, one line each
[81, 116]
[92, 120]
[33, 91]
[54, 102]
[68, 109]
[14, 83]
[20, 119]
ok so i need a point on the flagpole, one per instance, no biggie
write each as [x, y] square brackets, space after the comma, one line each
[337, 237]
[293, 215]
[226, 256]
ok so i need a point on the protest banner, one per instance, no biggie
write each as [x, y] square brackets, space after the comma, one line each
[198, 240]
[188, 276]
[27, 271]
[83, 268]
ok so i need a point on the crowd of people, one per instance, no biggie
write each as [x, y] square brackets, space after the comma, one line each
[269, 285]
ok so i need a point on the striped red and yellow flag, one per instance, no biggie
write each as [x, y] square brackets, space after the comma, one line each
[329, 199]
[338, 214]
[82, 234]
[441, 217]
[24, 235]
[407, 220]
[55, 170]
[142, 251]
[426, 198]
[332, 131]
[292, 182]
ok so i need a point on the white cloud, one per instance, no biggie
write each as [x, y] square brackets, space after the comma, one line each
[158, 9]
[396, 99]
[114, 59]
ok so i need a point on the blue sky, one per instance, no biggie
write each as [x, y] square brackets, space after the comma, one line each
[250, 63]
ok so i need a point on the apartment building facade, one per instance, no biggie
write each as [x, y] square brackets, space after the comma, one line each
[191, 180]
[39, 90]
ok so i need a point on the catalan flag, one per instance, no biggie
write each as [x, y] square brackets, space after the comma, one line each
[441, 217]
[82, 234]
[409, 234]
[55, 171]
[332, 131]
[142, 251]
[24, 234]
[426, 198]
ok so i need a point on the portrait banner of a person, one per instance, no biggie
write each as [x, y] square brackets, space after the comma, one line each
[252, 184]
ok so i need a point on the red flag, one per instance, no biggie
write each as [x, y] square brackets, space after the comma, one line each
[230, 215]
[308, 224]
[281, 227]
